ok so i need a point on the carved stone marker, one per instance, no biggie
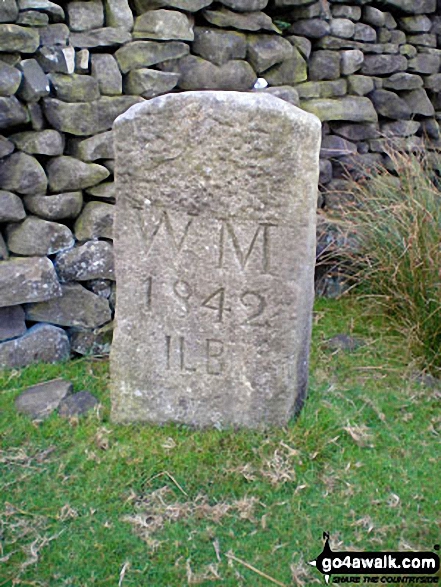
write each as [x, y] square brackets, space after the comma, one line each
[214, 252]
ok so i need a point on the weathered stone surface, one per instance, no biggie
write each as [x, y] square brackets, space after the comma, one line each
[12, 112]
[45, 142]
[146, 53]
[163, 25]
[11, 207]
[23, 174]
[413, 6]
[4, 253]
[56, 207]
[77, 404]
[118, 14]
[40, 400]
[92, 342]
[99, 146]
[287, 93]
[82, 61]
[105, 190]
[416, 24]
[27, 279]
[351, 61]
[42, 343]
[93, 260]
[36, 116]
[290, 71]
[352, 12]
[77, 306]
[303, 44]
[334, 146]
[355, 132]
[365, 33]
[314, 28]
[383, 64]
[106, 72]
[69, 173]
[324, 65]
[187, 5]
[403, 81]
[6, 147]
[422, 40]
[85, 119]
[425, 63]
[390, 105]
[342, 27]
[8, 11]
[326, 89]
[196, 73]
[238, 298]
[18, 38]
[75, 88]
[245, 5]
[350, 108]
[264, 51]
[12, 322]
[219, 46]
[325, 171]
[35, 84]
[10, 78]
[33, 18]
[149, 83]
[54, 34]
[54, 10]
[244, 21]
[360, 85]
[35, 236]
[95, 221]
[418, 102]
[105, 37]
[84, 16]
[373, 16]
[57, 59]
[400, 128]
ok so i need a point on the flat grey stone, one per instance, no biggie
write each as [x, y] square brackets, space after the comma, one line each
[245, 5]
[12, 322]
[74, 88]
[360, 85]
[105, 70]
[334, 146]
[12, 112]
[163, 25]
[349, 108]
[4, 253]
[77, 404]
[418, 102]
[290, 71]
[416, 24]
[422, 40]
[37, 237]
[93, 260]
[342, 27]
[82, 61]
[400, 128]
[352, 12]
[196, 73]
[303, 44]
[10, 78]
[286, 93]
[351, 61]
[26, 280]
[403, 81]
[413, 6]
[36, 116]
[6, 147]
[8, 11]
[219, 46]
[76, 306]
[325, 89]
[96, 342]
[95, 221]
[324, 65]
[105, 37]
[364, 32]
[68, 173]
[146, 53]
[43, 343]
[23, 174]
[325, 172]
[198, 332]
[149, 83]
[11, 207]
[390, 105]
[383, 64]
[118, 14]
[355, 132]
[53, 10]
[105, 190]
[57, 207]
[84, 16]
[99, 146]
[45, 142]
[33, 18]
[35, 84]
[40, 400]
[344, 342]
[424, 63]
[18, 38]
[57, 59]
[373, 16]
[186, 5]
[54, 34]
[314, 28]
[244, 21]
[264, 51]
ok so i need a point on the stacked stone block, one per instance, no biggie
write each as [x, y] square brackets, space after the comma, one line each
[369, 69]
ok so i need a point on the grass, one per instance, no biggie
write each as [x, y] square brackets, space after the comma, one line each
[395, 223]
[88, 503]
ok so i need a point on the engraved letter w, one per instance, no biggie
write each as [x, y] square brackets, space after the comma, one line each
[164, 221]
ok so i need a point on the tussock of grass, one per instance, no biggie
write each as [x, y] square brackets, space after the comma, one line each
[92, 504]
[395, 222]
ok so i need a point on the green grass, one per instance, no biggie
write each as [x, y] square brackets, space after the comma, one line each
[87, 502]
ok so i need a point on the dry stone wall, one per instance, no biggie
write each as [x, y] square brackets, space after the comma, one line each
[369, 69]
